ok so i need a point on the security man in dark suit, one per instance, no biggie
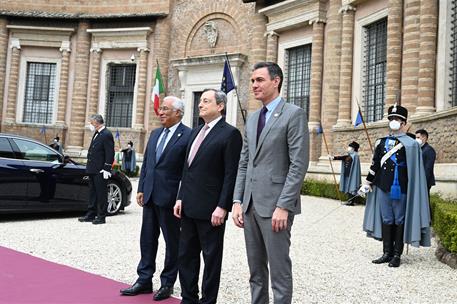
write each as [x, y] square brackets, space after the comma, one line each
[157, 188]
[100, 159]
[205, 197]
[428, 155]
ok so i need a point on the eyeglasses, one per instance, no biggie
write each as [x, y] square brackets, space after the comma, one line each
[165, 109]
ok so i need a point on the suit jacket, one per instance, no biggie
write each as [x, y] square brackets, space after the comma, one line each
[272, 171]
[159, 181]
[429, 156]
[209, 181]
[101, 153]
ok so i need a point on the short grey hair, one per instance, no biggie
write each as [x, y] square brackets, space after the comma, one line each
[97, 118]
[177, 104]
[220, 96]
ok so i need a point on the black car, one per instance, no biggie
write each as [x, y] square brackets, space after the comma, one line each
[37, 178]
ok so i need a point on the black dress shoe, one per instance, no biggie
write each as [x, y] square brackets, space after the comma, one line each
[163, 293]
[86, 218]
[395, 262]
[99, 220]
[137, 289]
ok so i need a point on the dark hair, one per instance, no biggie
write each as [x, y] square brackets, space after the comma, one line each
[422, 132]
[130, 143]
[220, 98]
[273, 70]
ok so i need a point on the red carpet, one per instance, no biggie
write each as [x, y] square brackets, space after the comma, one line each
[27, 279]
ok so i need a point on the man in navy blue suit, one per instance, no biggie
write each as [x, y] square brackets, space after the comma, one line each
[157, 188]
[205, 198]
[428, 155]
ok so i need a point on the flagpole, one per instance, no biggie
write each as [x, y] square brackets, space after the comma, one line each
[236, 89]
[331, 165]
[364, 125]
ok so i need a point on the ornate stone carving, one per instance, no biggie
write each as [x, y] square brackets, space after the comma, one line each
[211, 33]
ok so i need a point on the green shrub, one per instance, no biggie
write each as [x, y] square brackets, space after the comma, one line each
[117, 167]
[445, 221]
[325, 189]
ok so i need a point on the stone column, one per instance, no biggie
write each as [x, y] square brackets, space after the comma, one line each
[141, 95]
[427, 57]
[331, 77]
[13, 81]
[96, 54]
[344, 106]
[317, 54]
[78, 117]
[3, 53]
[394, 52]
[63, 87]
[272, 46]
[410, 66]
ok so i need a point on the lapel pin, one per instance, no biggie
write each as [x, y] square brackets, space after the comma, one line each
[179, 134]
[276, 114]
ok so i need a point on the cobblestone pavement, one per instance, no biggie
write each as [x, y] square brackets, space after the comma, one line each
[331, 256]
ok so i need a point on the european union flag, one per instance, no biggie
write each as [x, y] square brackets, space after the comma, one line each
[319, 130]
[227, 81]
[117, 134]
[358, 119]
[43, 130]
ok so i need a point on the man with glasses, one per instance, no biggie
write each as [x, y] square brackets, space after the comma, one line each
[157, 188]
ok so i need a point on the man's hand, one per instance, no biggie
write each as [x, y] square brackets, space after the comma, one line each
[279, 219]
[364, 189]
[106, 174]
[177, 209]
[139, 199]
[218, 216]
[237, 215]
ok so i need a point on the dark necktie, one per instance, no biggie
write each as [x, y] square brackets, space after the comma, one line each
[161, 144]
[261, 122]
[93, 137]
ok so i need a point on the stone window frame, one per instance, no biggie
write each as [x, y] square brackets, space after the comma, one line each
[22, 86]
[444, 57]
[358, 57]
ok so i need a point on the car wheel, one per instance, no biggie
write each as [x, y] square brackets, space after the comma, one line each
[115, 197]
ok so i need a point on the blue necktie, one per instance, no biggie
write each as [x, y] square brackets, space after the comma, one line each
[161, 144]
[261, 122]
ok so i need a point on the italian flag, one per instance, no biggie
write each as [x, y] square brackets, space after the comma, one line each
[158, 88]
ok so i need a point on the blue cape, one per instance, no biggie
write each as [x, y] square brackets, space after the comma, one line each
[351, 184]
[417, 215]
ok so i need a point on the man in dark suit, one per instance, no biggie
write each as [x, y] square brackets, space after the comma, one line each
[428, 155]
[100, 158]
[205, 198]
[272, 167]
[157, 188]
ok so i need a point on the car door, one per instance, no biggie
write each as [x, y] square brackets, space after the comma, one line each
[51, 183]
[13, 184]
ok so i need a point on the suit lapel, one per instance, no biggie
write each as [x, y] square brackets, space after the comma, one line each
[208, 138]
[177, 135]
[271, 122]
[153, 144]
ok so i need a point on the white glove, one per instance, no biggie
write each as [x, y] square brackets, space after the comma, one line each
[106, 174]
[364, 189]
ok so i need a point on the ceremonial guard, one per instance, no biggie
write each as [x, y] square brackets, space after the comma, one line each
[397, 209]
[350, 179]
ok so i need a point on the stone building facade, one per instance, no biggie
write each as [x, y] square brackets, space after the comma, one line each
[337, 55]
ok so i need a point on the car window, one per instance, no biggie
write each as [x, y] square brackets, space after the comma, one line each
[5, 148]
[33, 151]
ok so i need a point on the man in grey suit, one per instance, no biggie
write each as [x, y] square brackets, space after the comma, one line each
[272, 166]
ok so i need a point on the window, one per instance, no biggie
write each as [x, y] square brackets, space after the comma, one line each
[121, 88]
[374, 86]
[298, 76]
[5, 148]
[196, 119]
[39, 92]
[33, 151]
[453, 101]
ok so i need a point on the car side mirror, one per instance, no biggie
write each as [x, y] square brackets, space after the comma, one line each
[66, 159]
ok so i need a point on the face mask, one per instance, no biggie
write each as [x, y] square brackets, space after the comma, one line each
[350, 149]
[129, 146]
[91, 128]
[419, 141]
[55, 140]
[394, 125]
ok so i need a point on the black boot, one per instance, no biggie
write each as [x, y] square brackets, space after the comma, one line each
[398, 245]
[387, 244]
